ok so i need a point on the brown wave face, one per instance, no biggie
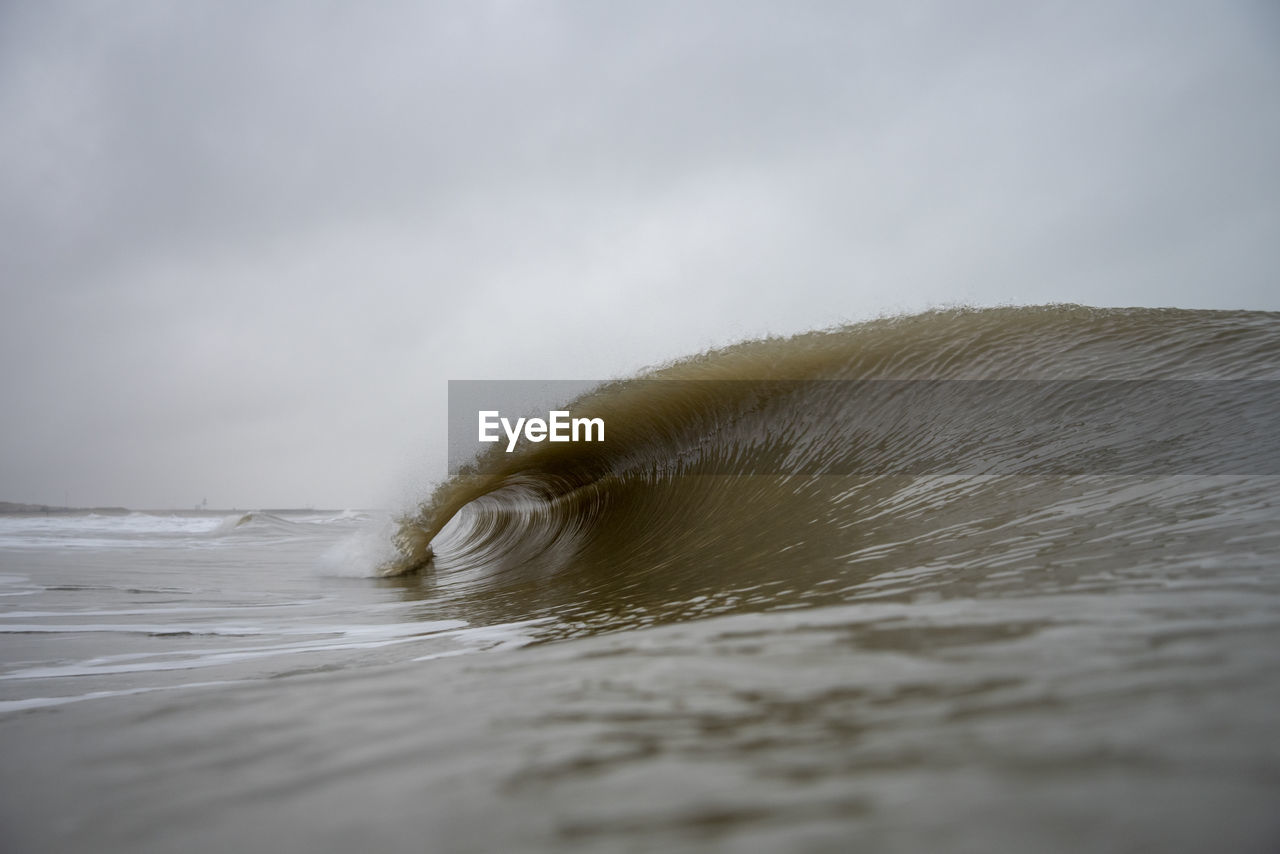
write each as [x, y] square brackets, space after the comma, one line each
[963, 447]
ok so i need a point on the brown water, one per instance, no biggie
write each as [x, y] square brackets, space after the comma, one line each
[641, 647]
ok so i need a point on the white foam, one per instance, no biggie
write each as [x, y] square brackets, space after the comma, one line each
[127, 628]
[45, 702]
[359, 554]
[93, 531]
[336, 638]
[22, 583]
[489, 638]
[134, 612]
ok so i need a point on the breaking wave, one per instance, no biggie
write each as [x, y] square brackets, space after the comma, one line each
[726, 484]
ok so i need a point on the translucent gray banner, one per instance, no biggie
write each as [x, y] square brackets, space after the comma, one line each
[872, 427]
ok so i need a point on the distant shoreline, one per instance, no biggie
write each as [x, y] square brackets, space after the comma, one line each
[14, 508]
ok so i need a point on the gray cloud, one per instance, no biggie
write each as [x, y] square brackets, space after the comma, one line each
[246, 244]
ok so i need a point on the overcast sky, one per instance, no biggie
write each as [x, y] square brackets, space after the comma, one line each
[245, 245]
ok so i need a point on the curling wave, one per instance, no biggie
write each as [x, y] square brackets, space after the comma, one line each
[865, 460]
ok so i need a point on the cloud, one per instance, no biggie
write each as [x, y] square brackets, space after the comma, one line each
[254, 241]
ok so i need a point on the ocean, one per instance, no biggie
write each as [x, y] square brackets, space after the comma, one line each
[997, 580]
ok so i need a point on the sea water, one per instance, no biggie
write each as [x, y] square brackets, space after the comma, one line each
[196, 683]
[608, 650]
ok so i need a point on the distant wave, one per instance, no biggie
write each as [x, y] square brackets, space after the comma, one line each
[255, 519]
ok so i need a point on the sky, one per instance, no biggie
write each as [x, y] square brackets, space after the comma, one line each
[244, 246]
